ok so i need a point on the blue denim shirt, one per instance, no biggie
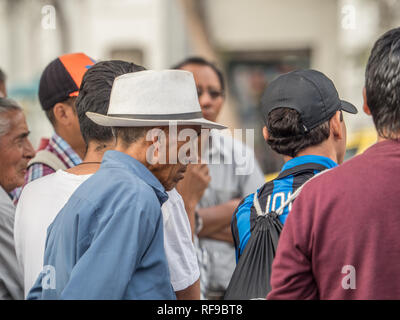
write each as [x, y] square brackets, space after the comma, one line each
[107, 241]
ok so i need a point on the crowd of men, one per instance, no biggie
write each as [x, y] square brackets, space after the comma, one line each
[124, 201]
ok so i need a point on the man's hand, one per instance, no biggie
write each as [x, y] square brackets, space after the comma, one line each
[192, 188]
[193, 185]
[217, 220]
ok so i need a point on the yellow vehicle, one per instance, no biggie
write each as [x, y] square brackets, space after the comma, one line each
[357, 143]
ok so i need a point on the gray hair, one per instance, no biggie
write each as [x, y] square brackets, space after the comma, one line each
[6, 105]
[129, 135]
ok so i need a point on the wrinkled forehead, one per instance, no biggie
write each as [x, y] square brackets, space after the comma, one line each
[13, 122]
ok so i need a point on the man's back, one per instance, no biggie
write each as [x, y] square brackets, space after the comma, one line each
[107, 241]
[40, 202]
[340, 240]
[43, 198]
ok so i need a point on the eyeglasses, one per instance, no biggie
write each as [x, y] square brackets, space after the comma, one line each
[214, 94]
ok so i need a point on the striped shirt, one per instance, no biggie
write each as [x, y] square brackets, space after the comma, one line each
[271, 195]
[62, 150]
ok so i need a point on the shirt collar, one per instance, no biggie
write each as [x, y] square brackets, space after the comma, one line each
[325, 161]
[113, 158]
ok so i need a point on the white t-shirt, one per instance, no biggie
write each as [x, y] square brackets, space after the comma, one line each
[178, 245]
[43, 198]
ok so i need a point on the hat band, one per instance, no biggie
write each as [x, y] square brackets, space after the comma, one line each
[174, 116]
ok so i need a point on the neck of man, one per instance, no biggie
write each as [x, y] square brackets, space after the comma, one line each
[381, 139]
[324, 149]
[93, 157]
[136, 150]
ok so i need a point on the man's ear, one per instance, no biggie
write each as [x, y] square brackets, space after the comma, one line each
[335, 124]
[63, 113]
[365, 104]
[265, 133]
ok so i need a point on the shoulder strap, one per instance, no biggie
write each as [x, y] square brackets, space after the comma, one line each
[306, 166]
[288, 201]
[256, 204]
[297, 192]
[49, 159]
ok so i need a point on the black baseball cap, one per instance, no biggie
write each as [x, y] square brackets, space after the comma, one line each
[311, 93]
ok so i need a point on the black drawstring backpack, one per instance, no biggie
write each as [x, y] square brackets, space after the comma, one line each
[251, 278]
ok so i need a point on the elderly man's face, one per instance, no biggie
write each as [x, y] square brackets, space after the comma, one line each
[170, 175]
[16, 151]
[178, 154]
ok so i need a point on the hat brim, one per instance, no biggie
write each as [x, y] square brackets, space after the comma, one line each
[348, 107]
[111, 121]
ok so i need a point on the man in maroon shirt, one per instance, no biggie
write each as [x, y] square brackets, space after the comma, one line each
[341, 240]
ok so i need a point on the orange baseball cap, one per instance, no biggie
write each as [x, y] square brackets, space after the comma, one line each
[62, 78]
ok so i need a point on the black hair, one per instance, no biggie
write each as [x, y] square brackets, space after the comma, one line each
[202, 62]
[94, 96]
[129, 135]
[382, 84]
[286, 135]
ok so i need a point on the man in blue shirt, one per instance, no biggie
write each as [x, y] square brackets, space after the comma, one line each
[303, 122]
[107, 241]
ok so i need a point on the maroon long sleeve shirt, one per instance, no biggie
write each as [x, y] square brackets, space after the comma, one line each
[342, 237]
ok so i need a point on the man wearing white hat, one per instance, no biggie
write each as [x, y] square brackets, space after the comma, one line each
[107, 241]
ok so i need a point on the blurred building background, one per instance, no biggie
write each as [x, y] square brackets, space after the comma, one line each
[252, 41]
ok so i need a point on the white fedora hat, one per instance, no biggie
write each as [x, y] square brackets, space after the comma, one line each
[153, 98]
